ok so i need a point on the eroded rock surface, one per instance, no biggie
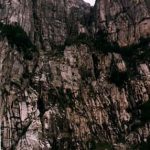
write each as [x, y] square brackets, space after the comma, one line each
[79, 97]
[126, 21]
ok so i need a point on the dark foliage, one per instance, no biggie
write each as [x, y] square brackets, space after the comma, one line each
[144, 116]
[119, 78]
[142, 146]
[92, 145]
[58, 50]
[102, 42]
[99, 41]
[145, 145]
[140, 50]
[17, 37]
[80, 39]
[145, 111]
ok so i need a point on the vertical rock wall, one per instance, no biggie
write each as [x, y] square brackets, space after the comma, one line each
[81, 98]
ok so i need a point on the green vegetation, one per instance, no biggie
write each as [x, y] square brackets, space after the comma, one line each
[100, 146]
[103, 146]
[142, 146]
[18, 38]
[144, 117]
[145, 111]
[145, 145]
[80, 39]
[100, 42]
[140, 49]
[119, 78]
[58, 50]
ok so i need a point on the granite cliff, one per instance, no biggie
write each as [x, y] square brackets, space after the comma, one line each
[73, 76]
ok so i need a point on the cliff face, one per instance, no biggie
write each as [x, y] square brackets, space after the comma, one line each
[126, 21]
[76, 95]
[46, 22]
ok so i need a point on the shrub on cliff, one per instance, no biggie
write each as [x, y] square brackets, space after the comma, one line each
[16, 36]
[82, 38]
[145, 111]
[119, 78]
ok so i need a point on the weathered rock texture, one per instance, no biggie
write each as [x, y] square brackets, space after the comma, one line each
[126, 21]
[46, 22]
[83, 97]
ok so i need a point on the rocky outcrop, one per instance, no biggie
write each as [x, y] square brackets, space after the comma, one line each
[125, 21]
[70, 96]
[48, 22]
[63, 102]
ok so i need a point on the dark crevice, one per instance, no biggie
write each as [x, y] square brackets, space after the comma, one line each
[37, 25]
[95, 63]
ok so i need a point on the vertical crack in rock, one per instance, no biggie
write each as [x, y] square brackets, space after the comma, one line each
[74, 76]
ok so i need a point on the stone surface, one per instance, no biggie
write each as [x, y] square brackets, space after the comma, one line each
[76, 96]
[125, 21]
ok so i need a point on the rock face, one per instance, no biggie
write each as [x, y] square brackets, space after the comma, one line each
[74, 96]
[47, 22]
[126, 21]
